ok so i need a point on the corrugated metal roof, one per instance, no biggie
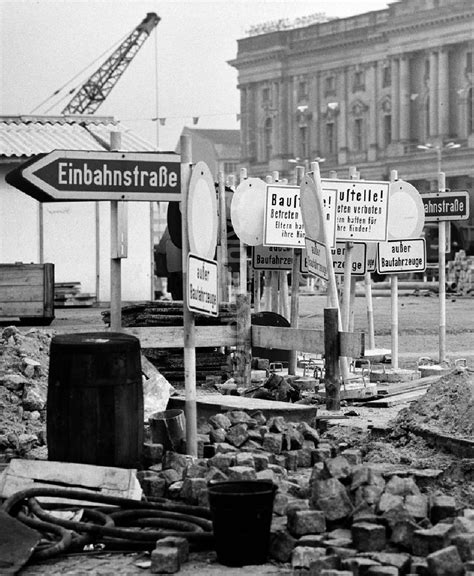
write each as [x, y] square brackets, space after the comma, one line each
[22, 136]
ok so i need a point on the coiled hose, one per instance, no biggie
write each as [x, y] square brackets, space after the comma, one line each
[123, 525]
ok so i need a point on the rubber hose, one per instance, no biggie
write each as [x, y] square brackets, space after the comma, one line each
[15, 499]
[123, 533]
[40, 525]
[78, 541]
[121, 515]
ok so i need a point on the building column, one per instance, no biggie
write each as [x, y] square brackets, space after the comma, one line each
[404, 99]
[372, 87]
[395, 99]
[443, 92]
[433, 127]
[342, 117]
[314, 109]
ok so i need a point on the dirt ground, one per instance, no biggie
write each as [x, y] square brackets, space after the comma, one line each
[418, 337]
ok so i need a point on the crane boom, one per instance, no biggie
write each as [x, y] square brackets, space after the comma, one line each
[96, 89]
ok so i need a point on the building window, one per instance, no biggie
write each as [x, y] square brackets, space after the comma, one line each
[330, 86]
[231, 167]
[267, 143]
[386, 77]
[359, 83]
[302, 91]
[387, 129]
[303, 142]
[358, 134]
[330, 138]
[266, 95]
[469, 63]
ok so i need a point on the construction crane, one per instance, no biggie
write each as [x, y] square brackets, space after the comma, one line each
[96, 89]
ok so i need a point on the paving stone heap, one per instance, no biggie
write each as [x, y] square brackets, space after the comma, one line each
[24, 359]
[333, 514]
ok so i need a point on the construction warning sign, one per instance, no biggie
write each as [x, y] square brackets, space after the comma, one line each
[401, 256]
[202, 285]
[283, 222]
[362, 210]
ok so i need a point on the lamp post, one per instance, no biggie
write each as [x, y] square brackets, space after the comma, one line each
[439, 151]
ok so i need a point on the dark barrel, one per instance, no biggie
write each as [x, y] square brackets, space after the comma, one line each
[95, 399]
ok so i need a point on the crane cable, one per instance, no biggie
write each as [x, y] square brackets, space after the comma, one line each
[114, 46]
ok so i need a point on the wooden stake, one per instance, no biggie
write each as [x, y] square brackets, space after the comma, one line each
[370, 309]
[256, 290]
[295, 287]
[188, 317]
[243, 250]
[243, 353]
[394, 303]
[331, 359]
[442, 275]
[222, 239]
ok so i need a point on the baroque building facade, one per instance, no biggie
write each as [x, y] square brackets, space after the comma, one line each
[364, 91]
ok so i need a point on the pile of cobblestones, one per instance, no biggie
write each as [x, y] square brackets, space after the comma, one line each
[333, 514]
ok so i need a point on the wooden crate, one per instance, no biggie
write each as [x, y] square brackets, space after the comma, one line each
[27, 292]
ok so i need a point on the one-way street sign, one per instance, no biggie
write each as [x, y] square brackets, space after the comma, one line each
[446, 206]
[72, 175]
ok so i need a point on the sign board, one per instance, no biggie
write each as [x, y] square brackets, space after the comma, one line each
[359, 258]
[202, 285]
[202, 212]
[401, 256]
[272, 258]
[310, 212]
[247, 211]
[316, 259]
[406, 216]
[75, 175]
[283, 224]
[371, 257]
[362, 209]
[446, 206]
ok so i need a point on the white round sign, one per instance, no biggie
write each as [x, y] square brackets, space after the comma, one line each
[310, 210]
[406, 214]
[202, 212]
[247, 211]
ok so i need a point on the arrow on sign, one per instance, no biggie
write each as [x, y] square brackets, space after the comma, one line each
[72, 175]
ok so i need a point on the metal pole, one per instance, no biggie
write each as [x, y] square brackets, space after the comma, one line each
[442, 275]
[115, 263]
[394, 303]
[188, 316]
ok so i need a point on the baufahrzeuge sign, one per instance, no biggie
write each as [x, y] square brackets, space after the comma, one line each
[446, 206]
[74, 175]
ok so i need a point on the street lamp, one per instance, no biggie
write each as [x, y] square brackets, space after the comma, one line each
[439, 150]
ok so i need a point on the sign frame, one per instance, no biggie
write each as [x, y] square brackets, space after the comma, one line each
[298, 241]
[26, 177]
[443, 196]
[207, 311]
[384, 245]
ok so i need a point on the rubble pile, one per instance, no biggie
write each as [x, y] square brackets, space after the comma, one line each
[24, 360]
[446, 408]
[333, 513]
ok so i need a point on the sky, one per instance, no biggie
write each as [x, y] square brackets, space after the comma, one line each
[180, 74]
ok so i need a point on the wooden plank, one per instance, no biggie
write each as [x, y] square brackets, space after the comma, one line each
[19, 275]
[22, 474]
[20, 309]
[173, 336]
[21, 293]
[301, 339]
[395, 399]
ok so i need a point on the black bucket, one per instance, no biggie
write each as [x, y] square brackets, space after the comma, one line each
[241, 519]
[169, 428]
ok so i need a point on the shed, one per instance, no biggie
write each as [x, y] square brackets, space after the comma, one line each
[74, 236]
